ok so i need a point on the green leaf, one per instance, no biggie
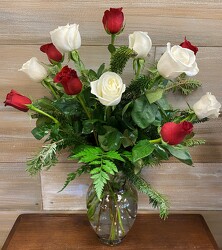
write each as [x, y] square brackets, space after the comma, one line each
[128, 155]
[99, 181]
[161, 152]
[180, 153]
[109, 167]
[114, 155]
[126, 118]
[143, 113]
[101, 70]
[69, 106]
[88, 126]
[40, 132]
[88, 155]
[129, 137]
[154, 95]
[142, 149]
[92, 75]
[111, 48]
[111, 140]
[95, 171]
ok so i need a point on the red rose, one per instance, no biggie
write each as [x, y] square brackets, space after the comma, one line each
[17, 101]
[186, 44]
[52, 52]
[113, 20]
[69, 80]
[174, 133]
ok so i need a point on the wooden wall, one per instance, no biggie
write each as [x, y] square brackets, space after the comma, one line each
[25, 25]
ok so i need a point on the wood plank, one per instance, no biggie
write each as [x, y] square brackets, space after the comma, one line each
[213, 219]
[181, 231]
[188, 188]
[30, 22]
[18, 191]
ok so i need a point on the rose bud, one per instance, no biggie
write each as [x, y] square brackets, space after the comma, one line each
[66, 38]
[34, 70]
[52, 53]
[186, 44]
[17, 101]
[177, 60]
[141, 43]
[113, 20]
[207, 107]
[69, 80]
[173, 133]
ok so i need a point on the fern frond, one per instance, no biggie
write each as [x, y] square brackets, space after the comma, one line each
[119, 59]
[101, 163]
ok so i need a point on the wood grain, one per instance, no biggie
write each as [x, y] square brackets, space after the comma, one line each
[213, 219]
[187, 188]
[148, 232]
[18, 191]
[24, 22]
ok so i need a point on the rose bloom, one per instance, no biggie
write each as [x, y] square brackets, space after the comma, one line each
[173, 133]
[207, 107]
[51, 51]
[69, 80]
[141, 43]
[34, 70]
[177, 60]
[17, 101]
[66, 38]
[108, 88]
[187, 44]
[113, 20]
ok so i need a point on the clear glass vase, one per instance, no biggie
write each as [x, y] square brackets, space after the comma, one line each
[114, 214]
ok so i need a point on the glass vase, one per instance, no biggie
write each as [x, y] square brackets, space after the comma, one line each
[113, 215]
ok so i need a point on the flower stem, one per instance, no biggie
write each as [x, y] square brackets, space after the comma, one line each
[79, 97]
[118, 219]
[138, 66]
[159, 140]
[32, 107]
[49, 86]
[113, 37]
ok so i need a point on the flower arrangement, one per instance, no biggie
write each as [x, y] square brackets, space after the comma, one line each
[108, 125]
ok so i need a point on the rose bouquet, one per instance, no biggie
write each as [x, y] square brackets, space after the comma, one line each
[113, 128]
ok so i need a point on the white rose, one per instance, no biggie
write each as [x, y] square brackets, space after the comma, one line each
[177, 60]
[108, 88]
[207, 106]
[34, 70]
[141, 43]
[66, 38]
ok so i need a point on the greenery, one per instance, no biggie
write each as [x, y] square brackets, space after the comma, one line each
[106, 140]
